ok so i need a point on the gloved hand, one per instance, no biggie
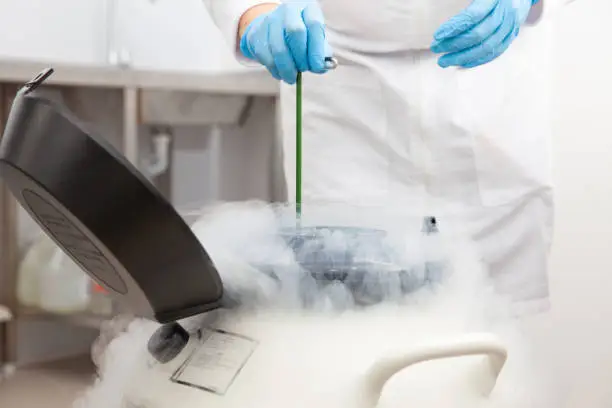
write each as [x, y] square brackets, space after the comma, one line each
[287, 40]
[481, 33]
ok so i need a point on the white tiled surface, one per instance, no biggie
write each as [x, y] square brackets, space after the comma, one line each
[54, 385]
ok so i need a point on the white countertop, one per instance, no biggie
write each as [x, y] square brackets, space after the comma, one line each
[245, 82]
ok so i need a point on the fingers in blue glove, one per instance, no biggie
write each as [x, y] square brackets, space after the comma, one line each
[288, 40]
[476, 12]
[253, 48]
[474, 35]
[279, 38]
[488, 58]
[317, 43]
[245, 42]
[487, 50]
[296, 37]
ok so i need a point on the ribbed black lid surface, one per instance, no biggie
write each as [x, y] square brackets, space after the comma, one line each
[103, 212]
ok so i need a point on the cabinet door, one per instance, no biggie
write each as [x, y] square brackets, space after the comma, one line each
[169, 35]
[69, 31]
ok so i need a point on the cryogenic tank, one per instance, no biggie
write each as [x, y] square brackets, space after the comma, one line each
[257, 308]
[378, 348]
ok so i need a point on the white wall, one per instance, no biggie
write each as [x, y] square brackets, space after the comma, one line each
[160, 34]
[67, 31]
[578, 334]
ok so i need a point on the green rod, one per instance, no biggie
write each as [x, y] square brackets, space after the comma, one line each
[298, 146]
[330, 63]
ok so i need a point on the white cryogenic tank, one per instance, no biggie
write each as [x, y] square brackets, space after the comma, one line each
[276, 358]
[338, 308]
[313, 317]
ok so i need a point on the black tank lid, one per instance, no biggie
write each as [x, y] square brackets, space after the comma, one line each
[103, 212]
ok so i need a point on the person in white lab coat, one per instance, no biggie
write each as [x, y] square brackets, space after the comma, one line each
[439, 105]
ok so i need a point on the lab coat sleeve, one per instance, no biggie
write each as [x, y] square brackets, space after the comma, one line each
[226, 16]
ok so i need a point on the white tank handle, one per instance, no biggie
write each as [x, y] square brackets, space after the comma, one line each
[473, 344]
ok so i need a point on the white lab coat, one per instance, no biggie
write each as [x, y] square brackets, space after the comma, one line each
[390, 126]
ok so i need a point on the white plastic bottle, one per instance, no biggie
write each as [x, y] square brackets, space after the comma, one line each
[64, 287]
[35, 261]
[101, 303]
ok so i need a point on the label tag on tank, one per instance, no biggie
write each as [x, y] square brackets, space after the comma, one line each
[217, 361]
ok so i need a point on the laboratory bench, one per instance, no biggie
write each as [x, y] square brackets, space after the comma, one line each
[157, 100]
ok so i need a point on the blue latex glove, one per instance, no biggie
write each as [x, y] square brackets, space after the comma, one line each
[481, 33]
[287, 40]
